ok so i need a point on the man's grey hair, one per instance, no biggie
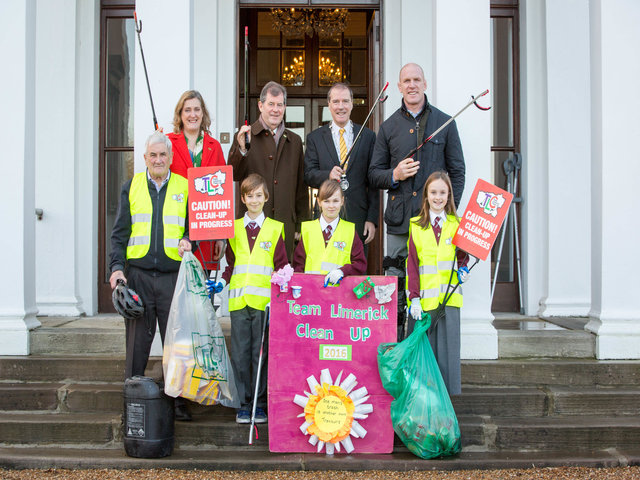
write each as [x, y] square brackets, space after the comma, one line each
[339, 85]
[157, 137]
[275, 89]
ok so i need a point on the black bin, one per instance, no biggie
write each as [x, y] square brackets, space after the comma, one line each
[148, 419]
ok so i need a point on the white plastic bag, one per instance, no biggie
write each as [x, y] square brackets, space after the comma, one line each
[195, 361]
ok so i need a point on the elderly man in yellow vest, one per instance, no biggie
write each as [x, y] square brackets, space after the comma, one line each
[149, 237]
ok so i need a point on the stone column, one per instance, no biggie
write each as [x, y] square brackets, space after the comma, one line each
[17, 182]
[615, 170]
[568, 269]
[55, 151]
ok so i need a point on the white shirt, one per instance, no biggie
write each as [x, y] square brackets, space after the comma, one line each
[334, 224]
[442, 215]
[259, 221]
[348, 135]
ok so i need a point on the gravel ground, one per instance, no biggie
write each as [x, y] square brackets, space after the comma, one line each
[564, 473]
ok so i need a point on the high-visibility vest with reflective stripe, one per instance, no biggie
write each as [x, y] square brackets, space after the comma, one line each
[435, 261]
[251, 278]
[321, 259]
[174, 213]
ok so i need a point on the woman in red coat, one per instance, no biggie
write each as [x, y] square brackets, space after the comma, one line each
[193, 146]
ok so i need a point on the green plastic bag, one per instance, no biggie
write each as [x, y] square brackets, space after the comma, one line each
[421, 412]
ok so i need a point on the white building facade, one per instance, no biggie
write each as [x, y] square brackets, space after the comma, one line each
[578, 120]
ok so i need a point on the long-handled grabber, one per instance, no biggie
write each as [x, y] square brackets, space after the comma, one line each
[474, 100]
[247, 142]
[344, 183]
[144, 64]
[267, 313]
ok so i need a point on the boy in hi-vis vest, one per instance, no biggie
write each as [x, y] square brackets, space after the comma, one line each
[256, 249]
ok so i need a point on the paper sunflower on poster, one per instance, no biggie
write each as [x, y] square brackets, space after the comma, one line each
[332, 410]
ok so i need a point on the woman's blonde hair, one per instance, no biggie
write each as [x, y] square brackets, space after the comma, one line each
[178, 126]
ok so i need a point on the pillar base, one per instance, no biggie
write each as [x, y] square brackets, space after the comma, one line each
[617, 339]
[14, 334]
[479, 339]
[60, 307]
[561, 307]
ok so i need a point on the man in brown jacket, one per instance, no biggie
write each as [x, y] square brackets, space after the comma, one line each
[276, 154]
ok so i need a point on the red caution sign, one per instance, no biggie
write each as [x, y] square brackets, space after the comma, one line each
[481, 221]
[211, 208]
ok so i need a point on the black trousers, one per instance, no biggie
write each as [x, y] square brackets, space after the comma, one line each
[246, 336]
[156, 290]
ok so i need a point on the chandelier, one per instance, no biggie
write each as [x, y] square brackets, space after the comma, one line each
[292, 22]
[293, 75]
[328, 72]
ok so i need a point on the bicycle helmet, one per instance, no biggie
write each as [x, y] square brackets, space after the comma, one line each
[127, 302]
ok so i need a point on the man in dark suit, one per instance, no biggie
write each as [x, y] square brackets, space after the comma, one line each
[326, 150]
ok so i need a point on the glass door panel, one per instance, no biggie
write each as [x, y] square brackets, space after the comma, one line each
[505, 144]
[117, 66]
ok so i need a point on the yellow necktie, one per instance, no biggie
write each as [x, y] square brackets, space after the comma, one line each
[343, 148]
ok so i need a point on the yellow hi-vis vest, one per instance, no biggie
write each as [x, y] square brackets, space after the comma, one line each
[251, 278]
[174, 213]
[321, 259]
[435, 261]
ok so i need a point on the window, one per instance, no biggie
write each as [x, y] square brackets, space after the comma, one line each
[117, 46]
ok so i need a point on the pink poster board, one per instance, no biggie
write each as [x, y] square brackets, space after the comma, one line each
[329, 328]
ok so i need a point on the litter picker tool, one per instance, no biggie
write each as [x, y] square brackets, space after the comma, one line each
[474, 100]
[255, 394]
[144, 64]
[247, 142]
[344, 183]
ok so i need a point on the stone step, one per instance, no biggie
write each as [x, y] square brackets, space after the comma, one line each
[69, 342]
[87, 368]
[492, 401]
[546, 344]
[557, 372]
[29, 396]
[549, 433]
[606, 401]
[504, 372]
[579, 433]
[61, 397]
[249, 459]
[99, 335]
[73, 398]
[208, 431]
[497, 401]
[104, 335]
[103, 429]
